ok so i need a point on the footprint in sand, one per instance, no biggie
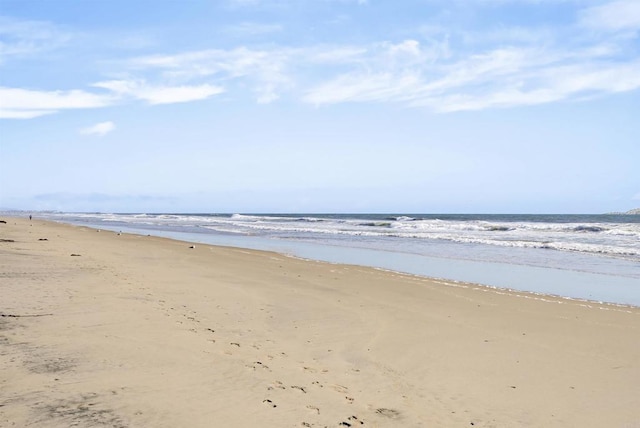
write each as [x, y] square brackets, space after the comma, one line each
[314, 408]
[313, 370]
[339, 388]
[355, 420]
[390, 413]
[269, 402]
[276, 384]
[351, 421]
[258, 365]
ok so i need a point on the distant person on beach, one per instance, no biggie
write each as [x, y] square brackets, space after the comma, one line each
[29, 217]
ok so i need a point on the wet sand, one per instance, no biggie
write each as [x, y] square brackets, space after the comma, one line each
[99, 329]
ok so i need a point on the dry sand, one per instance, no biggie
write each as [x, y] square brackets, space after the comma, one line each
[139, 331]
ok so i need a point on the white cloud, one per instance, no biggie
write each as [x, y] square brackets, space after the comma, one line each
[407, 47]
[469, 91]
[99, 129]
[17, 98]
[23, 114]
[264, 70]
[17, 103]
[616, 15]
[437, 67]
[270, 72]
[363, 87]
[178, 94]
[511, 76]
[234, 62]
[417, 73]
[160, 94]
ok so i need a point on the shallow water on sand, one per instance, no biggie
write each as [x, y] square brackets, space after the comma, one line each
[567, 274]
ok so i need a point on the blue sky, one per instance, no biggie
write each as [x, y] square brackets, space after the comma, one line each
[469, 106]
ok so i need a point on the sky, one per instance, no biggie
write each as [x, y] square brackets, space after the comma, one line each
[311, 106]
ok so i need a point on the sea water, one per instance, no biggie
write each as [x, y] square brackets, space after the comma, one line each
[593, 257]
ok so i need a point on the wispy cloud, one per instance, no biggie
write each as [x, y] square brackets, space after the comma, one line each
[616, 15]
[265, 71]
[23, 114]
[20, 38]
[440, 68]
[159, 94]
[431, 73]
[99, 129]
[554, 84]
[17, 103]
[503, 68]
[495, 79]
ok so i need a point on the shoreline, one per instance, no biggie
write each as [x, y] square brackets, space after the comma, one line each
[444, 281]
[589, 290]
[145, 331]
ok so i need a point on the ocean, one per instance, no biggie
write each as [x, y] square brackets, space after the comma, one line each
[591, 257]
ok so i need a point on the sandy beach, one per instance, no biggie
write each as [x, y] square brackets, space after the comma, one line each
[99, 329]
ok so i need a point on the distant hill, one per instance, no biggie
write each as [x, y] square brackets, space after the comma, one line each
[635, 211]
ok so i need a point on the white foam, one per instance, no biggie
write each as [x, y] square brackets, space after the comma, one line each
[620, 240]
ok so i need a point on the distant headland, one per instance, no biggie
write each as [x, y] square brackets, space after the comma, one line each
[635, 211]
